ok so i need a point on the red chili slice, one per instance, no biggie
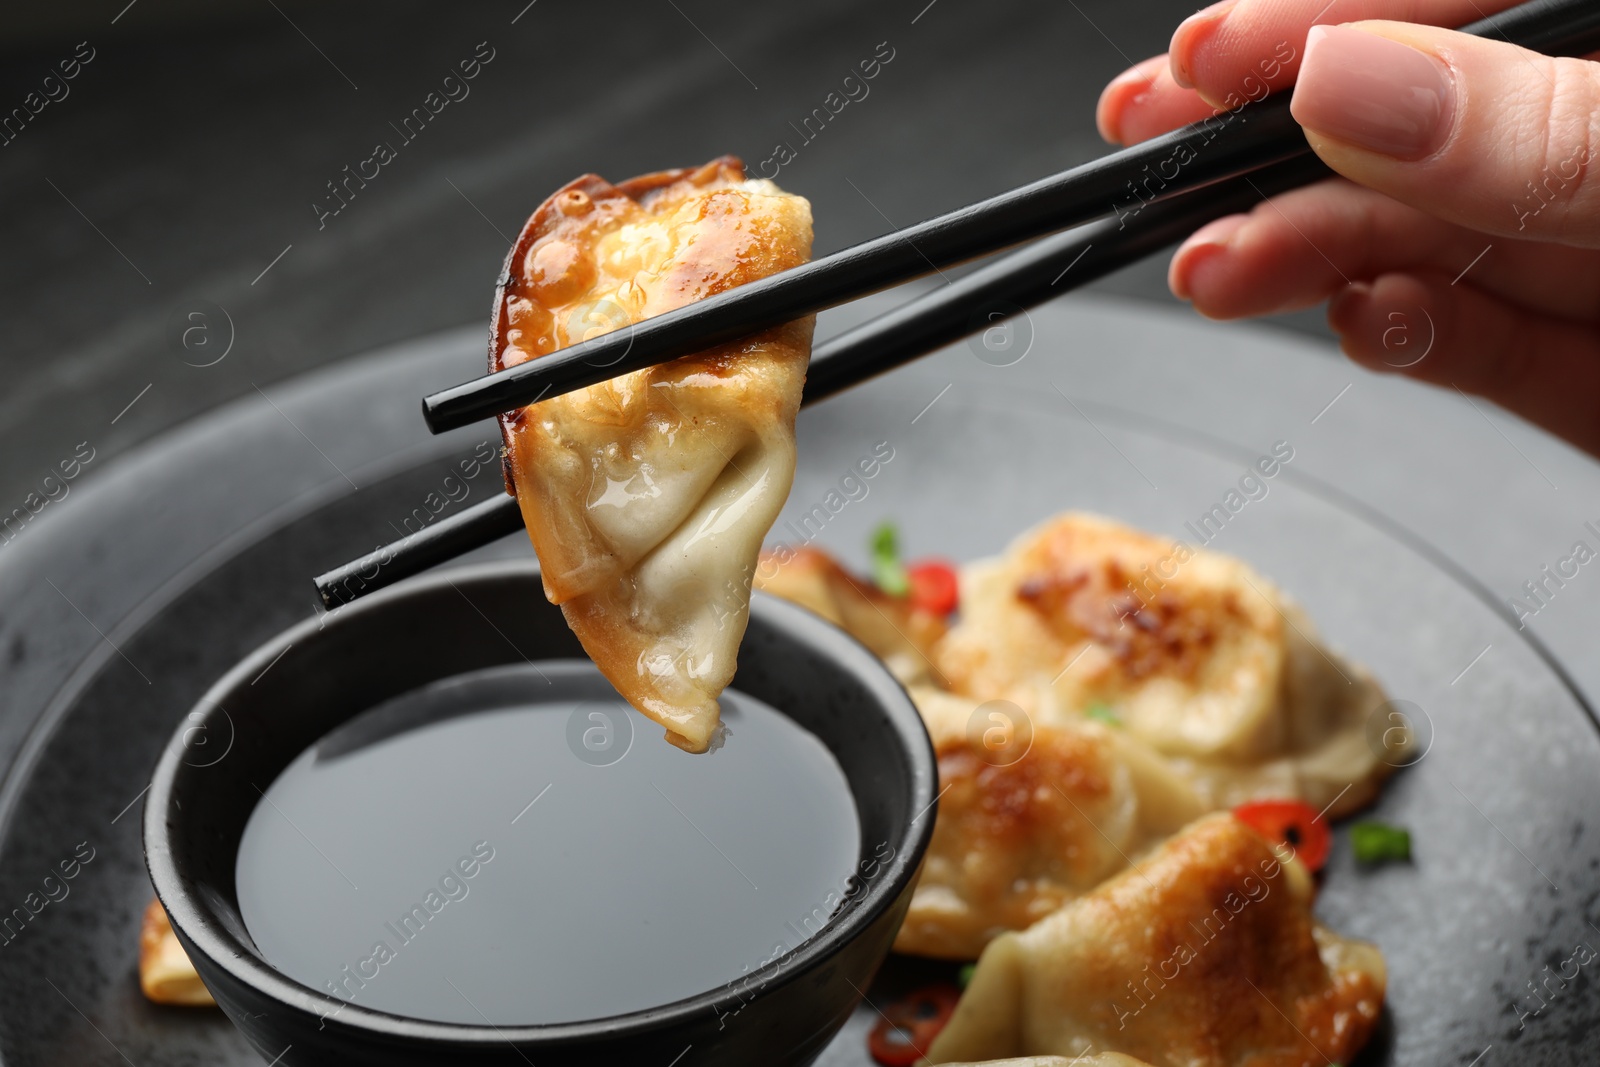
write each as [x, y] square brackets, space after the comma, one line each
[1290, 822]
[909, 1025]
[934, 586]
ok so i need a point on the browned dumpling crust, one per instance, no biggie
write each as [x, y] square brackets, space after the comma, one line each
[1014, 842]
[1028, 820]
[1200, 657]
[900, 634]
[1102, 1059]
[647, 496]
[1204, 955]
[165, 974]
[1135, 728]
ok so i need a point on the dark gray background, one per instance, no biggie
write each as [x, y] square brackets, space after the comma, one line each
[192, 147]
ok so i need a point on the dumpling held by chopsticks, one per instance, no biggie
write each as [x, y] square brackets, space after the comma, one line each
[647, 496]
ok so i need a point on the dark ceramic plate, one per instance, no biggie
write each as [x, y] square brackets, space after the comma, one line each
[123, 605]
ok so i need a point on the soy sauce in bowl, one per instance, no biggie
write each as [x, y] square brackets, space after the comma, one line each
[516, 846]
[442, 745]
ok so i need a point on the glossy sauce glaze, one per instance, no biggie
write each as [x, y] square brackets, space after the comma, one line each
[647, 496]
[518, 846]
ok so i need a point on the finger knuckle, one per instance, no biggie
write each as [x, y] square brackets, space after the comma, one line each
[1566, 185]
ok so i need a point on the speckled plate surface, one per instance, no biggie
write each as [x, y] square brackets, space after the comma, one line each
[144, 586]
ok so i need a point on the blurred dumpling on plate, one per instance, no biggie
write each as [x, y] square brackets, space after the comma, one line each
[1079, 716]
[1030, 817]
[899, 633]
[1196, 654]
[1205, 954]
[1103, 1059]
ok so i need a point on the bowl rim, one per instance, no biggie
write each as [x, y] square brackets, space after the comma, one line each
[202, 927]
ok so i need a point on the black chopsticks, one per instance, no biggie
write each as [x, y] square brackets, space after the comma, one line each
[1023, 279]
[1147, 215]
[1122, 184]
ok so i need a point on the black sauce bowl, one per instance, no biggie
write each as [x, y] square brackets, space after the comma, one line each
[253, 722]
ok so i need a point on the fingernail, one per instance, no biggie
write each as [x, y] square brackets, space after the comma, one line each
[1191, 33]
[1374, 93]
[1364, 333]
[1207, 244]
[1345, 307]
[1126, 90]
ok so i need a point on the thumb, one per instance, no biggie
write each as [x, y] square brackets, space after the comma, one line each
[1476, 132]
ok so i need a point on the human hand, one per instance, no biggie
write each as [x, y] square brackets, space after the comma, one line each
[1468, 211]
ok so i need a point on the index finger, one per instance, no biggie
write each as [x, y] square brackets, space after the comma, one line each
[1143, 102]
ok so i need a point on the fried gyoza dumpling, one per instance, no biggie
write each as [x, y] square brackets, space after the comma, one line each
[1199, 656]
[647, 496]
[1031, 816]
[1206, 955]
[165, 974]
[896, 631]
[1104, 1059]
[1040, 803]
